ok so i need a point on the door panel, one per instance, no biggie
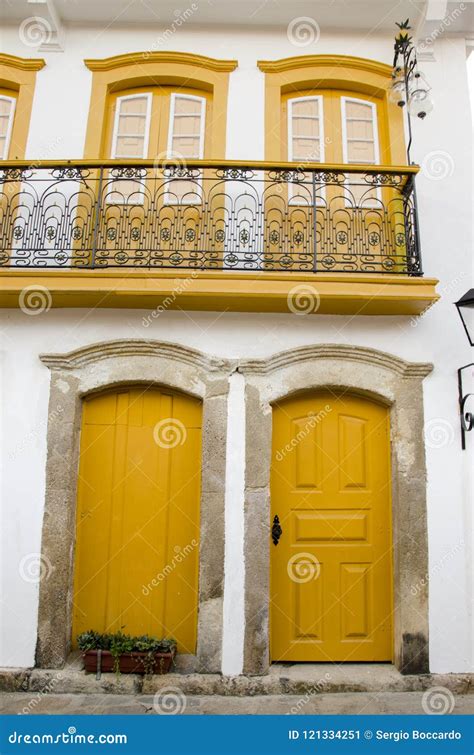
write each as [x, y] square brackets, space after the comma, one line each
[138, 515]
[331, 573]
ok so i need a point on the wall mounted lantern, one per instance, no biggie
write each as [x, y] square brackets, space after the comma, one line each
[465, 307]
[409, 86]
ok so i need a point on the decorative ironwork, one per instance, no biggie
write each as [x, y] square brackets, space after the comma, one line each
[276, 530]
[235, 173]
[409, 86]
[209, 217]
[330, 177]
[15, 174]
[467, 417]
[384, 179]
[281, 175]
[128, 172]
[180, 171]
[70, 172]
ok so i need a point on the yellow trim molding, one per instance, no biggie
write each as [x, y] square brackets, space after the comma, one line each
[310, 72]
[125, 72]
[18, 75]
[22, 64]
[342, 294]
[308, 61]
[198, 61]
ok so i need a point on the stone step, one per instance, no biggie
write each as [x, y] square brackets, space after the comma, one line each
[349, 703]
[296, 679]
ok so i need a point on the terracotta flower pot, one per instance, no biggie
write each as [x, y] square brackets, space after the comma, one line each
[129, 663]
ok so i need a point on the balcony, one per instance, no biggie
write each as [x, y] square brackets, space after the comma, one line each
[212, 235]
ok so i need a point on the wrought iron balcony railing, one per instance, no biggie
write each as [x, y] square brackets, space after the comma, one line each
[209, 215]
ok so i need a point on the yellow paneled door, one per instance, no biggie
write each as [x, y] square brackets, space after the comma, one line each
[137, 544]
[331, 573]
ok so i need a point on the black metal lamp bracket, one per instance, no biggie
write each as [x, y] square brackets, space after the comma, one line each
[466, 417]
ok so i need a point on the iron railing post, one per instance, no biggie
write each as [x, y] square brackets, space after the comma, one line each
[314, 229]
[97, 217]
[410, 210]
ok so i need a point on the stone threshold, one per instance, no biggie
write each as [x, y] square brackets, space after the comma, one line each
[296, 679]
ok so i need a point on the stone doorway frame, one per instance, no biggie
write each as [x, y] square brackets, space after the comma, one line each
[384, 378]
[110, 364]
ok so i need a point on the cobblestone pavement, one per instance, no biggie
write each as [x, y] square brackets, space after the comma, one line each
[366, 703]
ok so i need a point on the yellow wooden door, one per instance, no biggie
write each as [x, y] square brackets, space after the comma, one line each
[137, 530]
[331, 583]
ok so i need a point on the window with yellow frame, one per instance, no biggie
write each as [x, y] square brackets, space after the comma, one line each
[335, 126]
[342, 127]
[165, 124]
[7, 117]
[142, 205]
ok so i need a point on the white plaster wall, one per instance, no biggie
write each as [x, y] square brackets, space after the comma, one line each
[58, 131]
[234, 582]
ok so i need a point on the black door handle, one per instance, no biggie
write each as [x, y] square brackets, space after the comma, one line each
[276, 530]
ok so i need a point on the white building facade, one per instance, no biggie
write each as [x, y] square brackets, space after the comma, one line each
[238, 343]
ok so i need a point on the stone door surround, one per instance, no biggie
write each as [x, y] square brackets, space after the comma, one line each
[378, 375]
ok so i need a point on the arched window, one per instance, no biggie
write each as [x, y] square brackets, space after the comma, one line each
[354, 108]
[349, 216]
[184, 88]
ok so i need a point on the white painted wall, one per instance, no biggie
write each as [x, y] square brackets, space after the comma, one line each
[234, 582]
[444, 140]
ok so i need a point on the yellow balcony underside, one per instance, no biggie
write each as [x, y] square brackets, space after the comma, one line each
[341, 294]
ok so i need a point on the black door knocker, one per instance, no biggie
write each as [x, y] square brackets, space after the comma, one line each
[276, 530]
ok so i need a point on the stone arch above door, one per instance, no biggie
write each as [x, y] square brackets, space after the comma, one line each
[104, 365]
[384, 378]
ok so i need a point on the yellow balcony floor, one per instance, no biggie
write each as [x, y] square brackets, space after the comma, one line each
[219, 290]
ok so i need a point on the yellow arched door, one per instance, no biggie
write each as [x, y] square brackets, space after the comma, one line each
[137, 531]
[331, 571]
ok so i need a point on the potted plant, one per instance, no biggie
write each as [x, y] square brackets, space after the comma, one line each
[125, 654]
